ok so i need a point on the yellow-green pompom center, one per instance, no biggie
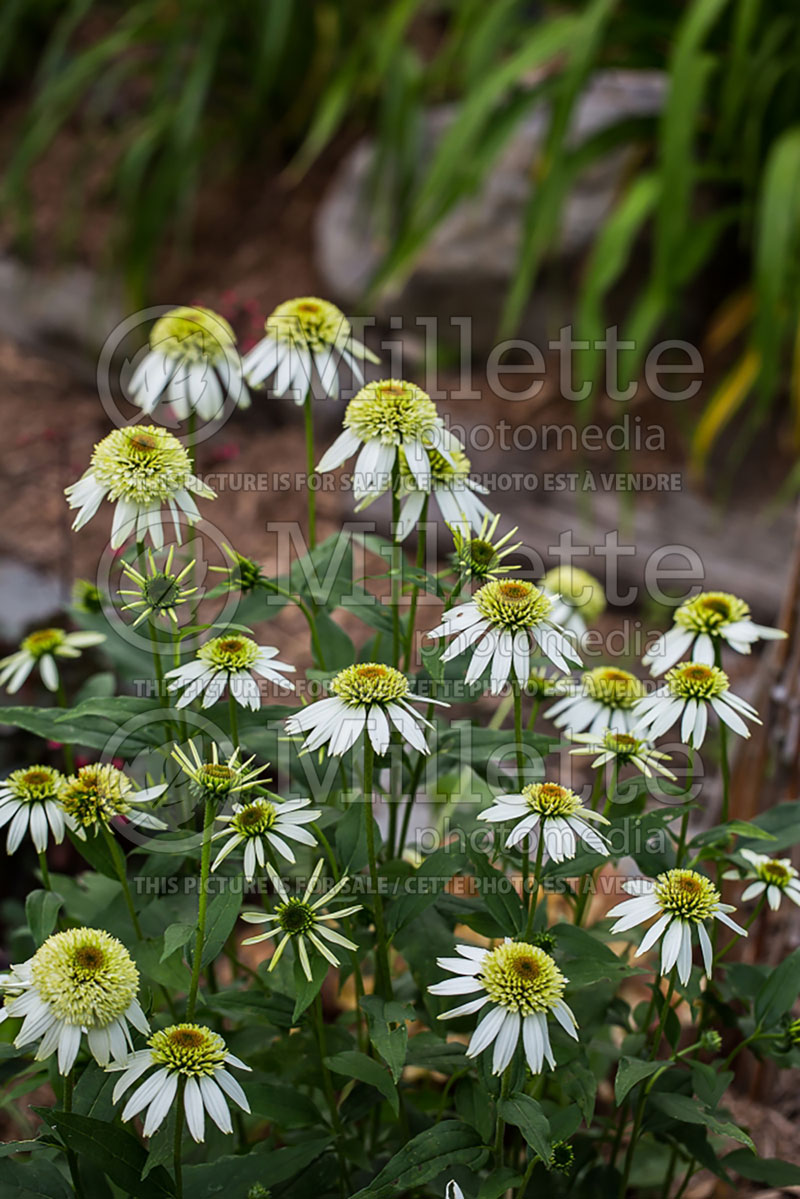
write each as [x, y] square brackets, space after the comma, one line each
[612, 687]
[686, 894]
[190, 1049]
[512, 604]
[391, 412]
[710, 611]
[43, 641]
[96, 794]
[693, 680]
[86, 976]
[216, 777]
[255, 818]
[35, 784]
[142, 465]
[369, 683]
[309, 323]
[193, 335]
[577, 588]
[522, 978]
[551, 799]
[231, 652]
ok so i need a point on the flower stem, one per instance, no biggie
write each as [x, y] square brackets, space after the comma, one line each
[382, 972]
[397, 567]
[680, 849]
[72, 1159]
[202, 908]
[307, 613]
[178, 1142]
[637, 1122]
[119, 865]
[311, 495]
[501, 1124]
[233, 720]
[520, 756]
[422, 538]
[534, 885]
[44, 871]
[330, 1094]
[67, 750]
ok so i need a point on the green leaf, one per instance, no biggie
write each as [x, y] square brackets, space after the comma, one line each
[527, 1115]
[117, 1152]
[691, 1111]
[499, 1183]
[770, 1170]
[231, 1175]
[630, 1071]
[424, 887]
[285, 1106]
[41, 912]
[273, 1009]
[353, 1064]
[222, 914]
[387, 1030]
[779, 992]
[175, 937]
[35, 1180]
[447, 1144]
[500, 896]
[430, 1052]
[336, 645]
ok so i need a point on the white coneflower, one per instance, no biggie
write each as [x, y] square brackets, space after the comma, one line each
[581, 598]
[220, 779]
[481, 557]
[365, 697]
[604, 698]
[453, 1191]
[99, 793]
[774, 876]
[689, 691]
[523, 985]
[196, 1054]
[29, 801]
[701, 624]
[622, 748]
[261, 824]
[297, 919]
[508, 618]
[192, 364]
[450, 485]
[550, 811]
[82, 982]
[156, 592]
[142, 469]
[229, 661]
[682, 900]
[43, 648]
[304, 335]
[384, 419]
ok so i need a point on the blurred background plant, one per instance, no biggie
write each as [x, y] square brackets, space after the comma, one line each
[167, 95]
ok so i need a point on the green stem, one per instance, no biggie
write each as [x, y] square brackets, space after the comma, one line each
[67, 750]
[519, 751]
[397, 567]
[233, 719]
[44, 871]
[119, 865]
[537, 703]
[202, 907]
[422, 538]
[383, 976]
[178, 1142]
[534, 886]
[637, 1123]
[330, 1096]
[72, 1159]
[501, 1124]
[311, 495]
[527, 1177]
[680, 850]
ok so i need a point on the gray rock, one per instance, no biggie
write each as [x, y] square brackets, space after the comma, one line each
[466, 266]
